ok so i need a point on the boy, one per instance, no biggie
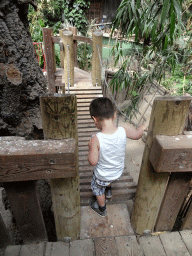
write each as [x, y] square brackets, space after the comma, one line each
[107, 151]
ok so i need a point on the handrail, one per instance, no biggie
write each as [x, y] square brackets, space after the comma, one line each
[56, 39]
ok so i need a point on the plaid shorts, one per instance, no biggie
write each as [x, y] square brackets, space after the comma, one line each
[98, 186]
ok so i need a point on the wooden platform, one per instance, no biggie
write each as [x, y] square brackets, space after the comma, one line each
[165, 244]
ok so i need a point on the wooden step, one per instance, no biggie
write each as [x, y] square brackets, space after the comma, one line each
[87, 92]
[86, 126]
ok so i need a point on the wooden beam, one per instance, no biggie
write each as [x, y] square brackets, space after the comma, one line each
[168, 117]
[172, 153]
[83, 39]
[50, 58]
[187, 222]
[26, 210]
[177, 190]
[34, 160]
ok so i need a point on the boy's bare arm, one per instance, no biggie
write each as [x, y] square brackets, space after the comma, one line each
[93, 154]
[135, 134]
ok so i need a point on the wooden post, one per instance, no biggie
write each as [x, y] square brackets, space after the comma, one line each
[26, 210]
[96, 66]
[59, 118]
[167, 118]
[4, 235]
[50, 58]
[74, 31]
[68, 78]
[61, 50]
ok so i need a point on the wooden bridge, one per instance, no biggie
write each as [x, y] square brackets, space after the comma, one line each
[112, 235]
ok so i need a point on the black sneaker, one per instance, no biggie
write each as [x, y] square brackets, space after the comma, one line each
[95, 207]
[108, 192]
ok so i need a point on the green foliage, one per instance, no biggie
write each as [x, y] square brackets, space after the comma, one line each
[157, 22]
[52, 11]
[84, 56]
[158, 25]
[75, 13]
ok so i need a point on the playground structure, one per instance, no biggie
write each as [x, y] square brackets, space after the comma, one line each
[156, 204]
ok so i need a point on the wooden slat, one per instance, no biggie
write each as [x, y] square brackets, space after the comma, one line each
[82, 248]
[59, 248]
[106, 246]
[152, 246]
[87, 93]
[128, 245]
[12, 250]
[187, 239]
[32, 249]
[83, 39]
[86, 126]
[173, 244]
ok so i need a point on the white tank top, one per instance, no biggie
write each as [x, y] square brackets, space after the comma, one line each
[110, 165]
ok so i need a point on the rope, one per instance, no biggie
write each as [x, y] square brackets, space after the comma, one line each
[68, 68]
[106, 84]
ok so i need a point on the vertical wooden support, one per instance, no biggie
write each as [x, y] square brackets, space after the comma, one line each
[68, 78]
[4, 235]
[96, 67]
[50, 58]
[74, 31]
[167, 118]
[26, 210]
[61, 50]
[59, 118]
[177, 190]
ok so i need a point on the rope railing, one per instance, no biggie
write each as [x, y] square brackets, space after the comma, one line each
[113, 100]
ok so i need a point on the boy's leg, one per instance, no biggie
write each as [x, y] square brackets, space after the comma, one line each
[101, 200]
[108, 191]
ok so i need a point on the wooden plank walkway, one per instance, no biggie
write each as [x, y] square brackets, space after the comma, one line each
[124, 188]
[165, 244]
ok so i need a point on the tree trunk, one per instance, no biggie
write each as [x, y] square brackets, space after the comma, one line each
[21, 79]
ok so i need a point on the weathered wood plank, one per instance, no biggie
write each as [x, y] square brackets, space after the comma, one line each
[106, 246]
[167, 118]
[48, 248]
[26, 210]
[151, 246]
[173, 244]
[172, 153]
[32, 249]
[187, 239]
[34, 160]
[60, 248]
[83, 39]
[128, 245]
[177, 190]
[13, 250]
[82, 248]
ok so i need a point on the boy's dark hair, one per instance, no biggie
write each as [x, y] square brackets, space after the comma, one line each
[102, 108]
